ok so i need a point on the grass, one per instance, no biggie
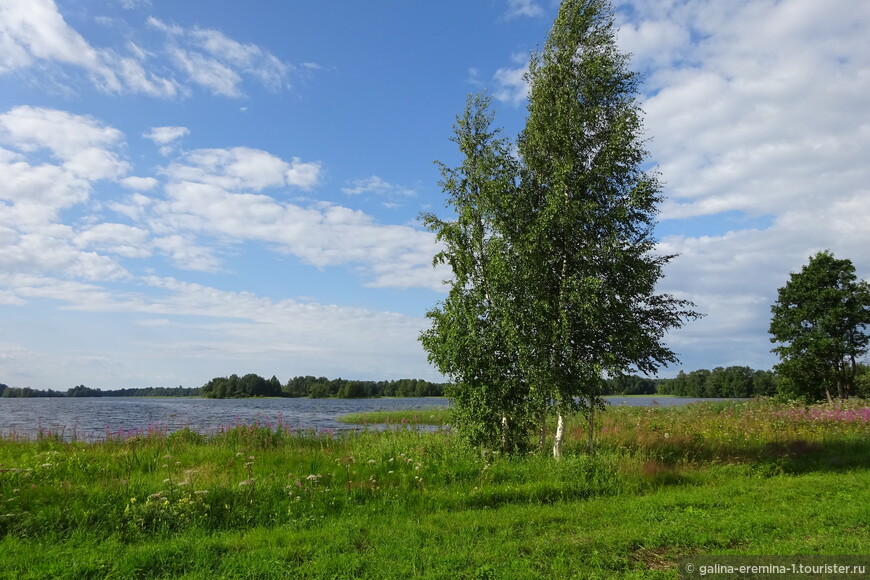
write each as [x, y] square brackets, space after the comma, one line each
[258, 502]
[433, 416]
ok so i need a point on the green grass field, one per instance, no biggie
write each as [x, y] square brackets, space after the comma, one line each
[250, 502]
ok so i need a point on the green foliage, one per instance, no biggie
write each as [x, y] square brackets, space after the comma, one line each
[820, 319]
[552, 253]
[252, 385]
[472, 337]
[83, 391]
[587, 250]
[734, 381]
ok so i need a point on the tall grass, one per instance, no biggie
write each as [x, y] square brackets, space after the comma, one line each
[162, 489]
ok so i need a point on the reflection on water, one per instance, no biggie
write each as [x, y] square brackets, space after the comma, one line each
[92, 418]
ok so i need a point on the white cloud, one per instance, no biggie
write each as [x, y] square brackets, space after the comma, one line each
[524, 8]
[217, 62]
[376, 185]
[120, 239]
[35, 31]
[303, 175]
[36, 253]
[755, 109]
[219, 78]
[216, 193]
[134, 207]
[166, 137]
[64, 134]
[186, 254]
[243, 169]
[510, 82]
[139, 183]
[84, 148]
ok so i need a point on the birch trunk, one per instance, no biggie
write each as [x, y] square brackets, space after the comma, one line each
[591, 420]
[560, 435]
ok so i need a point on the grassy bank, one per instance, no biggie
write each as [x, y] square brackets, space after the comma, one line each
[752, 478]
[434, 416]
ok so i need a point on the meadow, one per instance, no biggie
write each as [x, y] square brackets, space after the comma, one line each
[265, 501]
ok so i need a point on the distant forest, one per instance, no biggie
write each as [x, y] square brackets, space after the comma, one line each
[252, 385]
[721, 382]
[724, 382]
[83, 391]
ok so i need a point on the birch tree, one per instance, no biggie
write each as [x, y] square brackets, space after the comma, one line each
[471, 337]
[587, 253]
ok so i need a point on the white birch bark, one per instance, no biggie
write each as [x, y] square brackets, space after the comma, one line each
[560, 435]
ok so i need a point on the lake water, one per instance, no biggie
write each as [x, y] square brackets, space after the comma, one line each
[90, 418]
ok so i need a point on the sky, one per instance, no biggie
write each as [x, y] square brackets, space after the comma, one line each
[200, 188]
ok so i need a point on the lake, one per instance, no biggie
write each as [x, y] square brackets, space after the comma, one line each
[89, 418]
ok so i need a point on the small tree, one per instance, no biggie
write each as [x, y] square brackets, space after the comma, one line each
[820, 318]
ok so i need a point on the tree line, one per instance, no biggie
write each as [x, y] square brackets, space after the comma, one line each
[83, 391]
[252, 385]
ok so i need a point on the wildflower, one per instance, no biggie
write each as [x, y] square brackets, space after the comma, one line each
[132, 500]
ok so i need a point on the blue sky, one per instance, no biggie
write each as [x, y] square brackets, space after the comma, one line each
[194, 189]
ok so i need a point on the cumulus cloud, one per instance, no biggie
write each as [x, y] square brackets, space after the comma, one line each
[166, 135]
[82, 149]
[755, 109]
[59, 157]
[64, 134]
[35, 31]
[243, 169]
[119, 239]
[139, 183]
[510, 82]
[524, 8]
